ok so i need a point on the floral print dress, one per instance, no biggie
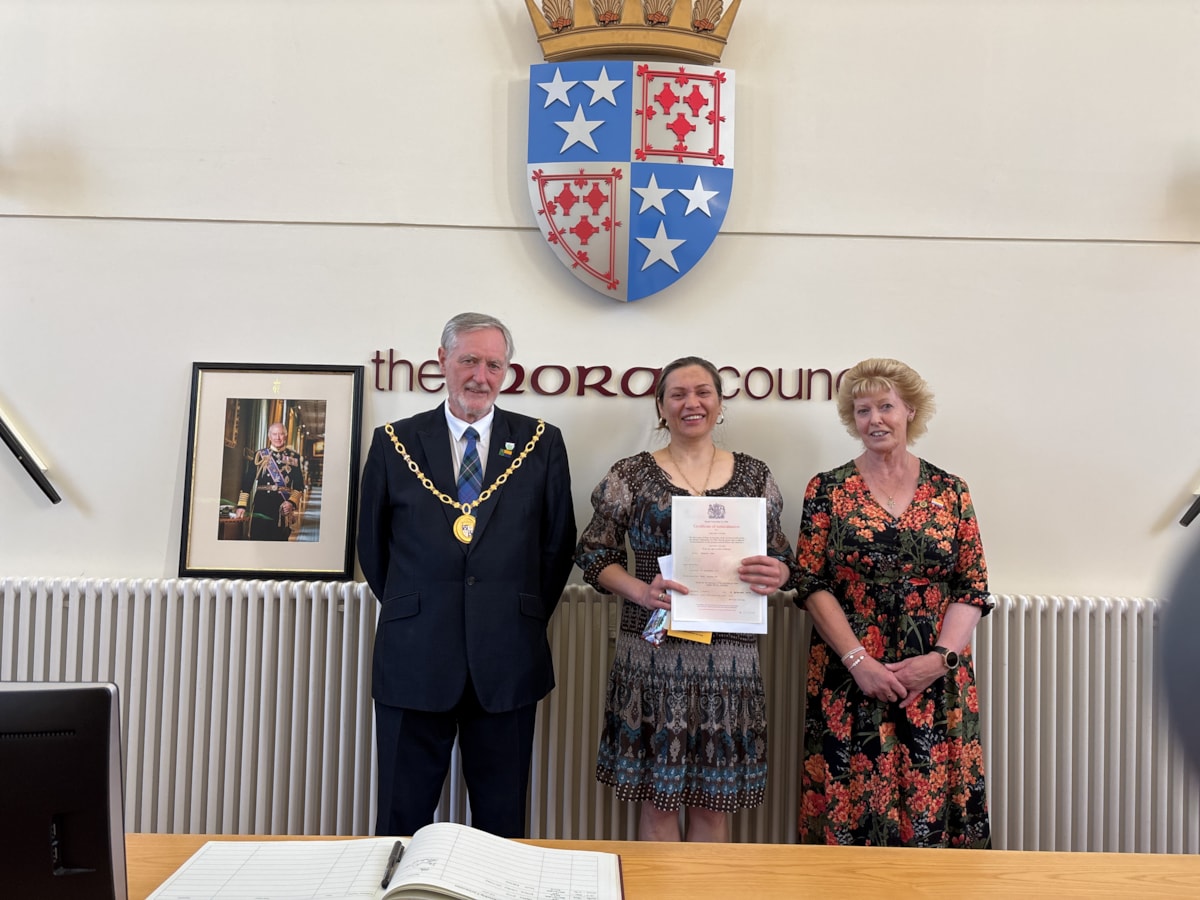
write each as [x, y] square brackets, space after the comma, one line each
[875, 773]
[685, 724]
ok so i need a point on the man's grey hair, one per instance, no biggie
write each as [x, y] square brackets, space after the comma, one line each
[470, 321]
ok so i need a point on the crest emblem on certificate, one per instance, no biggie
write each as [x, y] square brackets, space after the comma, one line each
[630, 162]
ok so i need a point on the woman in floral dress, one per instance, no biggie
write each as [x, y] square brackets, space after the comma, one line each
[684, 722]
[894, 579]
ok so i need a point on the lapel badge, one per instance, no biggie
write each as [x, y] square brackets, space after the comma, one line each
[508, 448]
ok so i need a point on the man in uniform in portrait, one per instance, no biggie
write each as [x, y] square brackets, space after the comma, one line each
[276, 481]
[466, 536]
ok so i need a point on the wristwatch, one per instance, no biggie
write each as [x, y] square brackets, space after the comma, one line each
[949, 657]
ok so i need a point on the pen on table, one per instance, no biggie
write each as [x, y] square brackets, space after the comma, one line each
[393, 861]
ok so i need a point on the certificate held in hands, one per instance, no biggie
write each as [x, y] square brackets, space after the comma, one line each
[710, 536]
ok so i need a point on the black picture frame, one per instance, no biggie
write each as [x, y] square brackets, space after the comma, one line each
[291, 516]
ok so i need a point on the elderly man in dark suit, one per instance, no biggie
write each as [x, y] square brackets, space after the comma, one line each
[466, 536]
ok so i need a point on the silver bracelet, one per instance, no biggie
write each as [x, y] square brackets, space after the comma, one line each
[850, 668]
[859, 649]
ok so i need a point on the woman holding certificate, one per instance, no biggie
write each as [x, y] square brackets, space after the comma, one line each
[685, 717]
[894, 579]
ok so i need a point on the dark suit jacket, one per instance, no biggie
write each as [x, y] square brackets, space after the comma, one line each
[450, 608]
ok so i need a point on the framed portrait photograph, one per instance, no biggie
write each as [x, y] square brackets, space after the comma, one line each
[271, 488]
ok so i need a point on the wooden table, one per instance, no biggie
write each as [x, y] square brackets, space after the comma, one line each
[765, 871]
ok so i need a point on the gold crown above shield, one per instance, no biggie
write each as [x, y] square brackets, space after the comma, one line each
[691, 30]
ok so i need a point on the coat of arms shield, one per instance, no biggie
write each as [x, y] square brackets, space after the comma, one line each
[630, 167]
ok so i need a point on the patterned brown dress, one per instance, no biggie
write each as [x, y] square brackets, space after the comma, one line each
[875, 773]
[684, 723]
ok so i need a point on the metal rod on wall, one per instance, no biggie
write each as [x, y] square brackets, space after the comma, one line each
[1193, 510]
[25, 455]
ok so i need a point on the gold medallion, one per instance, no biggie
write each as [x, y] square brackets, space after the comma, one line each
[464, 527]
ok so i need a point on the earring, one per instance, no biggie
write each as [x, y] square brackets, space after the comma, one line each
[662, 422]
[721, 418]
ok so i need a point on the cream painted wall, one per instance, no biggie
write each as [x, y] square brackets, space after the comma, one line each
[1004, 193]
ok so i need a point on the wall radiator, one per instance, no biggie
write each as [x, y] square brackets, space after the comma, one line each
[246, 710]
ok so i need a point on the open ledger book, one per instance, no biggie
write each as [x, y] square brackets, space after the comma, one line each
[440, 861]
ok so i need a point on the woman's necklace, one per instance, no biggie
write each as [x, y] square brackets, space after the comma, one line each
[691, 487]
[891, 498]
[878, 487]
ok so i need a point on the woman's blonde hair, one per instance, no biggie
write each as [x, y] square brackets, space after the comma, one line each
[878, 376]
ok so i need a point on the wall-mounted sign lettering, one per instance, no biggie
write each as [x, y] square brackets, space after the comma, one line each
[392, 371]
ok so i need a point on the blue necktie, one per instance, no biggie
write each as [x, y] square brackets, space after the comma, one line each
[470, 476]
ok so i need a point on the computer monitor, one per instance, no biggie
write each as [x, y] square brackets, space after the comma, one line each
[62, 823]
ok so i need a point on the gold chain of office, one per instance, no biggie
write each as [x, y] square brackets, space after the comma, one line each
[464, 525]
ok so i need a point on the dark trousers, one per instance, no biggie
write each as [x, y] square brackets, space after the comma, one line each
[414, 747]
[264, 525]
